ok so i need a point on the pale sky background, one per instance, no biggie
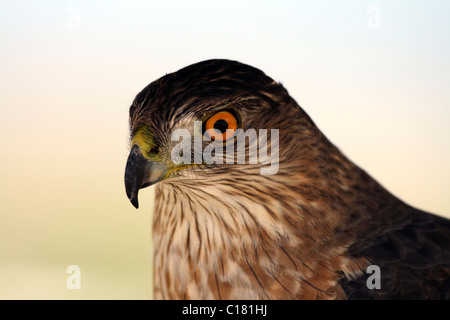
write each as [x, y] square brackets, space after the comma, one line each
[69, 71]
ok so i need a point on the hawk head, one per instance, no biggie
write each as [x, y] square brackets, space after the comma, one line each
[186, 128]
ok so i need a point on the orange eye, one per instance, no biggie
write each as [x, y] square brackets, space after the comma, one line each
[221, 126]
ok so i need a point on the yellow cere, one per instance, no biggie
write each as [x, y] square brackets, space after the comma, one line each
[144, 140]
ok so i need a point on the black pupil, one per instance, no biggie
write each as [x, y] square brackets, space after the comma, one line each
[221, 125]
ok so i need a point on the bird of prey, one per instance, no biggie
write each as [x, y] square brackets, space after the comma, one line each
[311, 230]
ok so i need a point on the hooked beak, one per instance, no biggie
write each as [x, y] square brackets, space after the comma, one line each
[141, 173]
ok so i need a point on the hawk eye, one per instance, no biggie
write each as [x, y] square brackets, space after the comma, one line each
[221, 126]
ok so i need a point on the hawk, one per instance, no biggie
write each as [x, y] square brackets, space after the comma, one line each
[311, 229]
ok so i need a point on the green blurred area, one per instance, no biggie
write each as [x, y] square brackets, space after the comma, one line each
[46, 279]
[112, 248]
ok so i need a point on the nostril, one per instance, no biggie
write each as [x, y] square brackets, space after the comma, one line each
[154, 150]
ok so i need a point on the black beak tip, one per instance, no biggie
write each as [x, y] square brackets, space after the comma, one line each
[132, 196]
[135, 202]
[132, 192]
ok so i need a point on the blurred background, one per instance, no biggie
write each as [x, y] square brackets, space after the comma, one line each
[373, 74]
